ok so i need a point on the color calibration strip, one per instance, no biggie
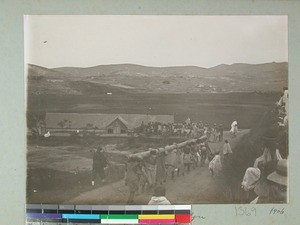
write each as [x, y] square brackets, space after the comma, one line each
[97, 214]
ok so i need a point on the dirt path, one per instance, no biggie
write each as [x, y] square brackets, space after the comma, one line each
[196, 187]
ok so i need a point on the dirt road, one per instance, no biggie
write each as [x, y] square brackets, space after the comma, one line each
[198, 186]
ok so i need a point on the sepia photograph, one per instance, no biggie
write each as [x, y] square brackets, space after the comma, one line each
[156, 110]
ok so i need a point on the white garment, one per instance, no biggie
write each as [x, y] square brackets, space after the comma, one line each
[284, 99]
[266, 157]
[251, 178]
[255, 200]
[47, 134]
[215, 164]
[285, 96]
[234, 127]
[226, 149]
[234, 123]
[159, 200]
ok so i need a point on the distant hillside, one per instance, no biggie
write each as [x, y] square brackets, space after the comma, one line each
[184, 79]
[47, 81]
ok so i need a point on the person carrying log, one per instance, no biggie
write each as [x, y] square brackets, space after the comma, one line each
[133, 170]
[161, 167]
[150, 168]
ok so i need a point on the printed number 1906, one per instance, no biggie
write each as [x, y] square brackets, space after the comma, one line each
[245, 211]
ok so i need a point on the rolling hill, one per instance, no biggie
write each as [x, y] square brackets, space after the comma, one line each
[184, 79]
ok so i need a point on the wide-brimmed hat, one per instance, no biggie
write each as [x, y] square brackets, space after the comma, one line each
[279, 176]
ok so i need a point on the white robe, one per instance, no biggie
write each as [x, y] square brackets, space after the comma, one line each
[215, 164]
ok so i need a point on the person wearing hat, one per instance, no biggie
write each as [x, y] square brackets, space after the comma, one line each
[99, 163]
[251, 178]
[250, 181]
[272, 187]
[279, 182]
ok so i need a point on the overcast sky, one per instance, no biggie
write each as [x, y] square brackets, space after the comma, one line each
[205, 41]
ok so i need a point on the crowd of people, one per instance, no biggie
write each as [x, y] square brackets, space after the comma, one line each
[148, 174]
[145, 174]
[187, 129]
[266, 181]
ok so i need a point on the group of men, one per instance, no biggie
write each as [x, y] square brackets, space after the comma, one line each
[186, 129]
[266, 180]
[152, 171]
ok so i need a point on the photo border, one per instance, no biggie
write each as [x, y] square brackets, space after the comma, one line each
[13, 121]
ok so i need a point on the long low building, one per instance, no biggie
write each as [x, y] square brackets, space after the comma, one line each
[112, 123]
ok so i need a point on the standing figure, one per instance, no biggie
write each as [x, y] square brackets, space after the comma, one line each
[99, 163]
[270, 150]
[215, 165]
[150, 169]
[160, 168]
[203, 154]
[170, 163]
[194, 155]
[274, 187]
[132, 176]
[187, 158]
[226, 150]
[234, 129]
[179, 162]
[221, 130]
[214, 132]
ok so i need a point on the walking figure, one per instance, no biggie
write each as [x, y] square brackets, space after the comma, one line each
[100, 162]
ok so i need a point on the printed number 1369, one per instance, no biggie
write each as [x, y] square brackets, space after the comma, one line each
[245, 211]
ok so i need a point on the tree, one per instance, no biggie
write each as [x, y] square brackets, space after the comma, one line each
[65, 124]
[36, 122]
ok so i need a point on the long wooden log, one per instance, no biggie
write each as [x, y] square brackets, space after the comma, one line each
[167, 148]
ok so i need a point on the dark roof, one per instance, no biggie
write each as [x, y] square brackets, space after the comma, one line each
[80, 120]
[119, 118]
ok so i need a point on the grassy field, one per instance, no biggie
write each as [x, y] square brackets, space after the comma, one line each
[246, 108]
[59, 168]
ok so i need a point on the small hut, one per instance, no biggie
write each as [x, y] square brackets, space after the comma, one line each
[117, 126]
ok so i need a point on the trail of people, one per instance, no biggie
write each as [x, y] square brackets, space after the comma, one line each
[197, 186]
